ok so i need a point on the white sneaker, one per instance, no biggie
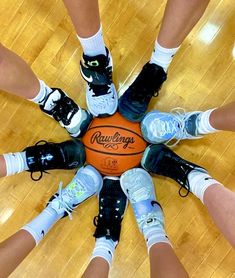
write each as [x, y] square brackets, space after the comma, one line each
[101, 96]
[86, 183]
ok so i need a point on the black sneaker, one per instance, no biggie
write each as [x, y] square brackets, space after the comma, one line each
[112, 206]
[160, 160]
[101, 96]
[65, 111]
[134, 102]
[47, 156]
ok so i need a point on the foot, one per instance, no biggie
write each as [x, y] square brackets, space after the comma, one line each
[65, 111]
[101, 96]
[86, 183]
[159, 127]
[112, 206]
[47, 156]
[138, 186]
[134, 102]
[160, 160]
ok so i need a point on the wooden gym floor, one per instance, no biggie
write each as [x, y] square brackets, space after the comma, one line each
[201, 76]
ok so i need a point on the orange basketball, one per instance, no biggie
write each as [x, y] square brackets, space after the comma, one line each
[113, 145]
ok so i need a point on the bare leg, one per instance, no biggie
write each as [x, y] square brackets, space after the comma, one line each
[3, 170]
[164, 263]
[179, 19]
[223, 118]
[14, 250]
[98, 267]
[16, 76]
[85, 16]
[220, 203]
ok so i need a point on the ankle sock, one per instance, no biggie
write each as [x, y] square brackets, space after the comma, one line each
[40, 225]
[104, 248]
[15, 163]
[204, 126]
[93, 45]
[162, 56]
[43, 92]
[155, 232]
[199, 182]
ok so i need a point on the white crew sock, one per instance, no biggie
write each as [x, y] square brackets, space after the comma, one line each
[94, 45]
[204, 126]
[104, 248]
[15, 163]
[40, 225]
[43, 92]
[162, 56]
[155, 235]
[199, 182]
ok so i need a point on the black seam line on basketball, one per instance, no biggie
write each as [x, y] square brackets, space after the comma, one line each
[119, 128]
[122, 154]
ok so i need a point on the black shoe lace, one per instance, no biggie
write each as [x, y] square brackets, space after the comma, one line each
[100, 90]
[108, 218]
[64, 110]
[40, 171]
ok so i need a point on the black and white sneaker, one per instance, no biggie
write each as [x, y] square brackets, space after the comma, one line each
[134, 102]
[112, 205]
[47, 156]
[160, 160]
[65, 111]
[101, 96]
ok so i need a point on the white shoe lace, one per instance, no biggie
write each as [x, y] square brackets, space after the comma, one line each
[180, 117]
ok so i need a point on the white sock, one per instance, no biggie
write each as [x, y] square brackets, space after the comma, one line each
[204, 126]
[94, 45]
[155, 234]
[199, 182]
[104, 248]
[40, 225]
[163, 56]
[15, 163]
[43, 92]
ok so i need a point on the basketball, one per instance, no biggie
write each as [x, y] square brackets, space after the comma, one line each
[113, 145]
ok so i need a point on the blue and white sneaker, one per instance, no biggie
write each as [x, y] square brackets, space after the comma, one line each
[86, 183]
[160, 127]
[138, 186]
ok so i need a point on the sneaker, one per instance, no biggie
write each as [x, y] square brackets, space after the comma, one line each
[138, 186]
[159, 127]
[101, 96]
[112, 206]
[134, 102]
[47, 156]
[65, 111]
[160, 160]
[86, 183]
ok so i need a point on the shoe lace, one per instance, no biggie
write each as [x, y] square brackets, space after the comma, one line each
[40, 171]
[108, 215]
[64, 110]
[62, 204]
[100, 90]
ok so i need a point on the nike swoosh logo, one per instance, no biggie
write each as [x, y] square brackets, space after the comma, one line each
[209, 178]
[88, 79]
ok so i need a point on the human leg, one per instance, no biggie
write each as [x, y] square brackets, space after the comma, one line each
[43, 156]
[219, 201]
[13, 250]
[179, 18]
[112, 206]
[138, 186]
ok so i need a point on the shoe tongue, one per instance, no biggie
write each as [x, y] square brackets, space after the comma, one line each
[50, 102]
[191, 125]
[96, 62]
